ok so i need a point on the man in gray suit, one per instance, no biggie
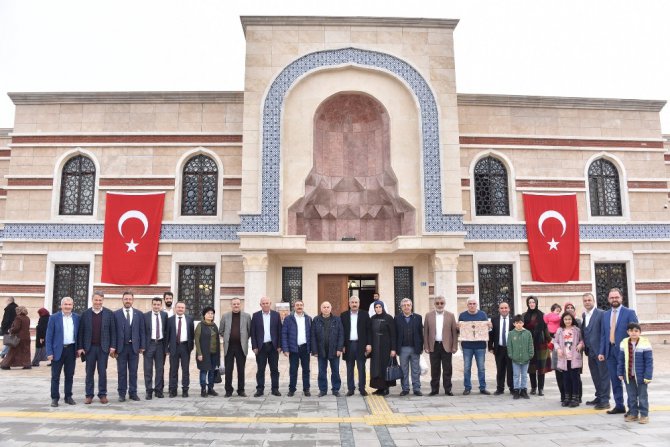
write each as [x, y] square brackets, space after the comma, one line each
[235, 327]
[591, 326]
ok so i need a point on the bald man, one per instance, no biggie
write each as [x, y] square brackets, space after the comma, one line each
[266, 344]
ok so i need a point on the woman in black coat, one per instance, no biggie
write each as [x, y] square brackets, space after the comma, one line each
[207, 351]
[40, 336]
[383, 348]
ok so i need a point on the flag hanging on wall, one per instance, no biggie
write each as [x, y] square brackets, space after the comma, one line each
[130, 244]
[552, 228]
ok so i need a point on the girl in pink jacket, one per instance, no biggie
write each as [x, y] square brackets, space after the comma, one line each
[569, 347]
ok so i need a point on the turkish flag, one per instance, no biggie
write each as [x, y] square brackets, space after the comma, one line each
[552, 227]
[132, 232]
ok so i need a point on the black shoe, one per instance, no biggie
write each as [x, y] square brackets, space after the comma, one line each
[385, 392]
[134, 397]
[228, 394]
[159, 394]
[70, 401]
[350, 393]
[533, 390]
[592, 402]
[211, 392]
[404, 393]
[54, 402]
[172, 393]
[601, 407]
[203, 392]
[486, 392]
[434, 393]
[517, 394]
[498, 392]
[616, 410]
[122, 398]
[276, 393]
[184, 393]
[524, 394]
[573, 403]
[418, 393]
[540, 392]
[148, 396]
[336, 393]
[466, 392]
[364, 393]
[306, 393]
[291, 393]
[258, 394]
[448, 393]
[241, 394]
[322, 393]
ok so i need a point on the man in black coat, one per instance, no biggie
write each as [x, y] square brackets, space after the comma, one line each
[131, 342]
[266, 344]
[409, 331]
[502, 324]
[7, 320]
[357, 343]
[180, 343]
[96, 340]
[155, 322]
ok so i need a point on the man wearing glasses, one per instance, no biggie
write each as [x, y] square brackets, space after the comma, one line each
[440, 341]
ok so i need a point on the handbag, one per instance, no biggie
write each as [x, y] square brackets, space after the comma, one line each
[217, 375]
[393, 371]
[11, 340]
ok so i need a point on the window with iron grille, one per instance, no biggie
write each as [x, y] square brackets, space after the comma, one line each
[403, 285]
[491, 195]
[609, 275]
[291, 280]
[199, 187]
[604, 189]
[196, 288]
[77, 187]
[496, 284]
[71, 280]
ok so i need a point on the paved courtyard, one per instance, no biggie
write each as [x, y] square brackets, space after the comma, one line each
[26, 419]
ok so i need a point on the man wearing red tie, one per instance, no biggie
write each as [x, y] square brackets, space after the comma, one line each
[180, 335]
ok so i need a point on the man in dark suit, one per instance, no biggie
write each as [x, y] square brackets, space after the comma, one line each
[592, 320]
[613, 330]
[409, 330]
[61, 349]
[130, 336]
[357, 343]
[97, 340]
[266, 344]
[180, 334]
[502, 324]
[155, 323]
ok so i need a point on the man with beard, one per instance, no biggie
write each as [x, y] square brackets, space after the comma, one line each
[168, 297]
[131, 342]
[592, 321]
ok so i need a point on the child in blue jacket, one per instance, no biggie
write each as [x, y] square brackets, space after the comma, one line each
[635, 367]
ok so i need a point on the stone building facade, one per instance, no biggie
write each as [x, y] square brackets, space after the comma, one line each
[349, 164]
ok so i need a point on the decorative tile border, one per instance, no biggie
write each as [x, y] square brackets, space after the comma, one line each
[268, 219]
[483, 232]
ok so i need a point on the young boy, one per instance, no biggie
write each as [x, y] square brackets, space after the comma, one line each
[520, 350]
[635, 367]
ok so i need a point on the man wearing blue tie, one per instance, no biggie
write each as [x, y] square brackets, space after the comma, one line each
[613, 330]
[61, 349]
[131, 342]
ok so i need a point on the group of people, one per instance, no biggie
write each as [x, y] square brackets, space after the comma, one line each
[528, 345]
[15, 322]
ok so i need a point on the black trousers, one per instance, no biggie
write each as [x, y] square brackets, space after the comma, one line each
[67, 361]
[503, 368]
[355, 357]
[440, 360]
[267, 355]
[234, 355]
[154, 356]
[181, 357]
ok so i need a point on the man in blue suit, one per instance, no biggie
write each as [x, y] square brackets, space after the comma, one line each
[409, 330]
[131, 342]
[96, 340]
[155, 322]
[180, 343]
[296, 344]
[266, 344]
[613, 330]
[592, 321]
[61, 349]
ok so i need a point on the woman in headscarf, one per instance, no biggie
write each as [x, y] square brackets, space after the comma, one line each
[40, 336]
[383, 348]
[540, 364]
[19, 355]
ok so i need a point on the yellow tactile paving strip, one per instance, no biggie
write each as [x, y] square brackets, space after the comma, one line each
[381, 415]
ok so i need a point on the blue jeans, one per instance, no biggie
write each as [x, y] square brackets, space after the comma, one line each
[294, 358]
[520, 374]
[335, 380]
[207, 375]
[409, 358]
[479, 354]
[638, 401]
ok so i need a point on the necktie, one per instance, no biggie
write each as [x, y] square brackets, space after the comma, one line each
[612, 326]
[504, 332]
[179, 331]
[128, 315]
[158, 337]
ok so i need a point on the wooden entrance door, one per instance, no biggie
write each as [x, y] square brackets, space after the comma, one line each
[334, 289]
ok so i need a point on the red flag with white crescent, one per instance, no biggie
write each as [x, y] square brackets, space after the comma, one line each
[132, 231]
[552, 228]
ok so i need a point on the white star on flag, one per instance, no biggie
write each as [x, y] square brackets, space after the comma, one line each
[131, 246]
[553, 245]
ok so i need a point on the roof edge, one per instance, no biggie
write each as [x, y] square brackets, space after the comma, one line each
[142, 97]
[560, 102]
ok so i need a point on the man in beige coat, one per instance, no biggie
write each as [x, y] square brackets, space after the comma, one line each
[440, 341]
[235, 327]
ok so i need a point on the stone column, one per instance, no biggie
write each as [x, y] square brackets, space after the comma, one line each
[255, 279]
[445, 265]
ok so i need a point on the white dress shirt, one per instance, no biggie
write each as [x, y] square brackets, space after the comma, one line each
[169, 312]
[68, 329]
[300, 320]
[587, 317]
[160, 326]
[130, 321]
[184, 329]
[439, 325]
[353, 332]
[267, 336]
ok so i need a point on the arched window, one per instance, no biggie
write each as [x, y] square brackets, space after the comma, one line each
[604, 191]
[198, 192]
[491, 195]
[77, 190]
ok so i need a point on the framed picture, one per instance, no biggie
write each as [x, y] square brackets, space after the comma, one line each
[474, 330]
